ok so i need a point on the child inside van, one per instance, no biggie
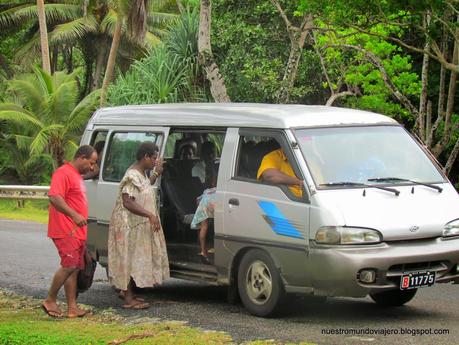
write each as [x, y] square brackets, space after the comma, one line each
[206, 172]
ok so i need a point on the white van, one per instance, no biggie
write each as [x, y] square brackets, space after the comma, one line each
[377, 215]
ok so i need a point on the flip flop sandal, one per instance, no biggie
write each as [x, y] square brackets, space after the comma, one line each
[121, 296]
[73, 316]
[136, 306]
[51, 312]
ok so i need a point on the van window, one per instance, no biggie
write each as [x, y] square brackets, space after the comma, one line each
[121, 152]
[252, 150]
[98, 141]
[360, 154]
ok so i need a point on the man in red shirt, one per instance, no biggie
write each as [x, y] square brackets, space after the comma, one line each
[68, 214]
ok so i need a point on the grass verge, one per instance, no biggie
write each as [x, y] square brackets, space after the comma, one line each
[33, 210]
[22, 322]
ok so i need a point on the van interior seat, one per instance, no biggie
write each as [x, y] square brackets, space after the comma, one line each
[182, 193]
[175, 168]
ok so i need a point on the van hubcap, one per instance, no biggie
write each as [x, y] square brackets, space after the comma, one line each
[258, 282]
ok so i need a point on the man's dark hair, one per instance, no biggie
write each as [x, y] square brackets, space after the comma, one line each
[84, 151]
[146, 148]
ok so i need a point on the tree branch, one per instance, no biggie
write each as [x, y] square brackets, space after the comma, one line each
[375, 61]
[335, 96]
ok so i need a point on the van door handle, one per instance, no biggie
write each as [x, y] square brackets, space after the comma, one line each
[234, 202]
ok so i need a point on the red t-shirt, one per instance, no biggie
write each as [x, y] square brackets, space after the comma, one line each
[68, 183]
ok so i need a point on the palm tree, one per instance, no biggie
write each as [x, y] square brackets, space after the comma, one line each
[46, 114]
[43, 36]
[89, 25]
[135, 14]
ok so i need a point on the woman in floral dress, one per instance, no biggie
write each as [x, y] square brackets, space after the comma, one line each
[136, 245]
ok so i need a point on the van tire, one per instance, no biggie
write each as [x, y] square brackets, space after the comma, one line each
[393, 298]
[256, 271]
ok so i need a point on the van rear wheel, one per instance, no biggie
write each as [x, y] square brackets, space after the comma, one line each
[393, 298]
[259, 283]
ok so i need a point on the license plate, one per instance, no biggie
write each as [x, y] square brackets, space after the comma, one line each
[416, 280]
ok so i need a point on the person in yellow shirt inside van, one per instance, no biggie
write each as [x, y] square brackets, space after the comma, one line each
[276, 169]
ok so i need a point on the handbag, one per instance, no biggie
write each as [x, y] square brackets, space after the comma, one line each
[86, 275]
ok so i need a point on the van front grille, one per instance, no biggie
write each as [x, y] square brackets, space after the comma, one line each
[435, 266]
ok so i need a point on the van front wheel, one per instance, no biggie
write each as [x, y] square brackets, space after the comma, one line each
[259, 283]
[393, 298]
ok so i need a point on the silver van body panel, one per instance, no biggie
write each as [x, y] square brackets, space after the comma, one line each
[234, 114]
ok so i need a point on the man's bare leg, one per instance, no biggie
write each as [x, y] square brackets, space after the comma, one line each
[70, 287]
[59, 279]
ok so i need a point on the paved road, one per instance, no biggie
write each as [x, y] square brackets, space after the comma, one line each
[28, 261]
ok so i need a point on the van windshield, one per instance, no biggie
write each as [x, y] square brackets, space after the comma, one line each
[349, 156]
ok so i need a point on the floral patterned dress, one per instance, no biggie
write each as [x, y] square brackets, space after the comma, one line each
[205, 208]
[134, 249]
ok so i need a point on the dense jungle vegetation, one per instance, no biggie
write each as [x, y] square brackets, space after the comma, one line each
[62, 59]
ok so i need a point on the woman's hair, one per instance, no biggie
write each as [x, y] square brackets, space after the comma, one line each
[147, 148]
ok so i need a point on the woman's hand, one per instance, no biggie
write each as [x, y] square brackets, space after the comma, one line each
[154, 222]
[159, 166]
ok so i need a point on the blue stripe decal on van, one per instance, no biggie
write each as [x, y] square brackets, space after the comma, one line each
[278, 222]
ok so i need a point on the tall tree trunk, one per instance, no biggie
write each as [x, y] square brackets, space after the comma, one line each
[54, 58]
[205, 56]
[452, 157]
[424, 83]
[441, 95]
[100, 62]
[291, 70]
[297, 37]
[111, 59]
[440, 146]
[68, 58]
[43, 36]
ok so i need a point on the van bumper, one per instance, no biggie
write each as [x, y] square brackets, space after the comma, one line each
[335, 269]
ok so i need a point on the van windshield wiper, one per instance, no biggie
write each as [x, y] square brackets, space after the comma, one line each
[358, 184]
[395, 179]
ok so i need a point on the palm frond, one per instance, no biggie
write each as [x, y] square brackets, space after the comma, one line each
[83, 111]
[55, 13]
[73, 30]
[156, 18]
[41, 140]
[62, 101]
[44, 80]
[70, 148]
[29, 51]
[20, 118]
[22, 141]
[10, 106]
[28, 93]
[108, 23]
[159, 5]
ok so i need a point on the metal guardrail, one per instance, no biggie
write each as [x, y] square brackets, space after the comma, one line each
[18, 192]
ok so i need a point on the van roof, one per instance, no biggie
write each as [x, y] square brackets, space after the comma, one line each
[236, 114]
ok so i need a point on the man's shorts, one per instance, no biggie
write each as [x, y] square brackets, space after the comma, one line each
[71, 251]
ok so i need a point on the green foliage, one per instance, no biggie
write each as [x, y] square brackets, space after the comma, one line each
[168, 74]
[251, 45]
[44, 118]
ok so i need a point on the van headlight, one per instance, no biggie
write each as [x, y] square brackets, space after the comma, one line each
[451, 229]
[347, 235]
